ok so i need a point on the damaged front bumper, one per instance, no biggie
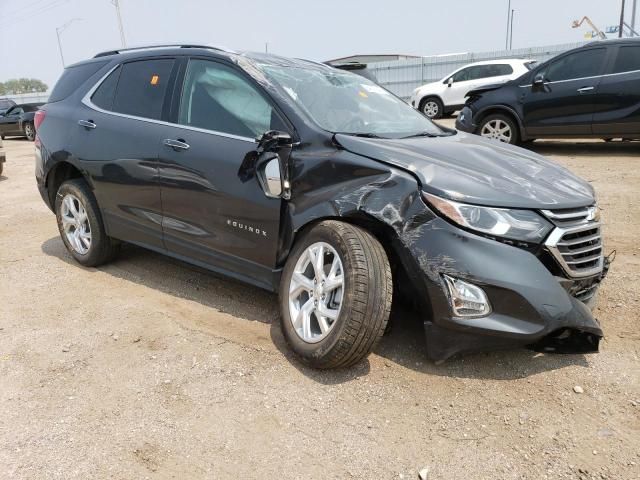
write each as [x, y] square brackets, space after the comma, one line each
[530, 307]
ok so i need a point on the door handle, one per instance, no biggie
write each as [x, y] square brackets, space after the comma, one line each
[87, 124]
[176, 144]
[585, 89]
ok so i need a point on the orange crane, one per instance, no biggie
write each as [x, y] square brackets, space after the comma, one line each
[577, 24]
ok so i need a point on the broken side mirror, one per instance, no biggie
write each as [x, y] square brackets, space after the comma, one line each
[538, 80]
[270, 176]
[273, 139]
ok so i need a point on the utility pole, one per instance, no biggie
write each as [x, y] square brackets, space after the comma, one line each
[116, 3]
[620, 30]
[511, 31]
[506, 41]
[59, 30]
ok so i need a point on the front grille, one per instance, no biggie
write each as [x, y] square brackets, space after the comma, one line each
[576, 242]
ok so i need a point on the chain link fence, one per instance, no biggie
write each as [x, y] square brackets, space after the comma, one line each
[403, 76]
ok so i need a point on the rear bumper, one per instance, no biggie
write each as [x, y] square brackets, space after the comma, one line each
[529, 305]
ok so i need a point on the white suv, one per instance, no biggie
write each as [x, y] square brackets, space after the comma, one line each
[447, 95]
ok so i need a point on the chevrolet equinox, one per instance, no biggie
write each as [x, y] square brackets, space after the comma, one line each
[319, 184]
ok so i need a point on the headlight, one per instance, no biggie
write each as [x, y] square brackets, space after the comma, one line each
[523, 225]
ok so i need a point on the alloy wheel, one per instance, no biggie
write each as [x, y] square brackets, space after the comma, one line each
[29, 131]
[75, 224]
[315, 292]
[430, 109]
[498, 130]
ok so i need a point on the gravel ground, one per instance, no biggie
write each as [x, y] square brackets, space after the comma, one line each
[150, 368]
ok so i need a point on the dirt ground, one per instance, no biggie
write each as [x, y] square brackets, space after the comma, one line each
[150, 368]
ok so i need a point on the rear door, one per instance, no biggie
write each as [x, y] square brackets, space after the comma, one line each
[117, 137]
[214, 208]
[619, 94]
[566, 102]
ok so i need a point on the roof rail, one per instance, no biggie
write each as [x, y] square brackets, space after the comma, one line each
[149, 47]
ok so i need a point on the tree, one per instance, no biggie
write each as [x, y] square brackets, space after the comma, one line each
[16, 86]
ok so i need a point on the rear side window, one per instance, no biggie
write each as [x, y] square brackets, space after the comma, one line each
[141, 87]
[494, 70]
[585, 63]
[104, 95]
[72, 78]
[628, 59]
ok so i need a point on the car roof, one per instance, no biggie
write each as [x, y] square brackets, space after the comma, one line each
[501, 60]
[201, 50]
[614, 41]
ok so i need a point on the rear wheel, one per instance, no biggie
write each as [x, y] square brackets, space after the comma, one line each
[335, 295]
[80, 225]
[29, 131]
[499, 127]
[432, 107]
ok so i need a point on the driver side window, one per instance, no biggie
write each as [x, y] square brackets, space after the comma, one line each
[461, 76]
[217, 98]
[587, 63]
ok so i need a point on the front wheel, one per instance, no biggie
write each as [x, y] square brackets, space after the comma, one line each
[29, 131]
[499, 127]
[80, 224]
[432, 107]
[335, 295]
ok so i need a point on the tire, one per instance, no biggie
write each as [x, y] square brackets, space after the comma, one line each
[77, 210]
[363, 300]
[29, 131]
[1, 167]
[492, 126]
[432, 107]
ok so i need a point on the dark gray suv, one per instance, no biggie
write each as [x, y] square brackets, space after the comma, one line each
[319, 184]
[591, 91]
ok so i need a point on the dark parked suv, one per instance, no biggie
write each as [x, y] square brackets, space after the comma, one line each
[318, 183]
[591, 91]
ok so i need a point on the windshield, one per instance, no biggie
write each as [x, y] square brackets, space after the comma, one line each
[343, 102]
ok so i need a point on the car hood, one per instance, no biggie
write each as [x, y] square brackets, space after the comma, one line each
[476, 170]
[486, 88]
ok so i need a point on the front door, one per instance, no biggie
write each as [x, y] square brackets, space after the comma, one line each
[9, 123]
[117, 137]
[461, 83]
[214, 209]
[565, 103]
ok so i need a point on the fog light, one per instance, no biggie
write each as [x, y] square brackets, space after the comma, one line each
[467, 300]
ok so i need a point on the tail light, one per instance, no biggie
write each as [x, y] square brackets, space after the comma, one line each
[39, 118]
[37, 121]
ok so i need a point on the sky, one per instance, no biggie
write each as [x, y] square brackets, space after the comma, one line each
[317, 30]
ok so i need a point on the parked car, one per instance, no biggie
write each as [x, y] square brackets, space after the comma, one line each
[5, 104]
[18, 121]
[448, 94]
[3, 157]
[315, 182]
[591, 91]
[356, 67]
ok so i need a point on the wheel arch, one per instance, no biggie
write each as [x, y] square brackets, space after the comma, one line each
[424, 98]
[60, 173]
[503, 110]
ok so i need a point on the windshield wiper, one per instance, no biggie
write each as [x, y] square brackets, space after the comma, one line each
[364, 135]
[424, 134]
